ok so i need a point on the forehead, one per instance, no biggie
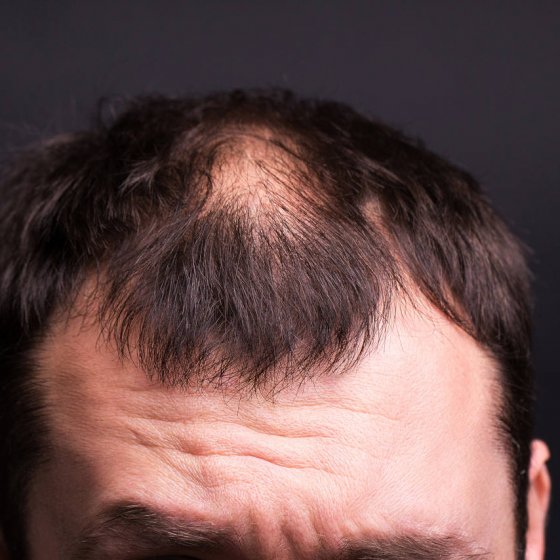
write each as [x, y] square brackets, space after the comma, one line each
[406, 438]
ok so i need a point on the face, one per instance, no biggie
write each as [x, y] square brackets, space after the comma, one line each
[400, 451]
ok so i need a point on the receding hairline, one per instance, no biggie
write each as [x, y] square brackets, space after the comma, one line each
[247, 145]
[125, 157]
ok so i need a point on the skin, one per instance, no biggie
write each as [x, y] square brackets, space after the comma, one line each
[404, 441]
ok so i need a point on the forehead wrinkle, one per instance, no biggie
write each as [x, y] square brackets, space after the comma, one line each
[213, 441]
[330, 394]
[204, 446]
[261, 419]
[216, 442]
[247, 410]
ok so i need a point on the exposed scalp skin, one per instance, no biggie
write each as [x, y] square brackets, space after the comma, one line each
[233, 235]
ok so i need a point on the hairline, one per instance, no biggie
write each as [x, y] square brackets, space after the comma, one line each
[494, 412]
[504, 386]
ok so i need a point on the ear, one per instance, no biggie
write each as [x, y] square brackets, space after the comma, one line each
[537, 500]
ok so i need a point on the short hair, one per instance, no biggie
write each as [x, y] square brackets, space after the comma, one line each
[255, 232]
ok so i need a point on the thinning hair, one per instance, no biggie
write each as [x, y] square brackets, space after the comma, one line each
[249, 234]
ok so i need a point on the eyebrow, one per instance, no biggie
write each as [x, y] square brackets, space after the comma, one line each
[415, 546]
[123, 529]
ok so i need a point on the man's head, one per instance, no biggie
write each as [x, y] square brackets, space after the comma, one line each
[250, 325]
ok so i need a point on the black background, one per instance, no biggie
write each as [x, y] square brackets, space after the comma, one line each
[478, 81]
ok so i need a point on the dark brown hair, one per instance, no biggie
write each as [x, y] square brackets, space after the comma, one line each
[254, 232]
